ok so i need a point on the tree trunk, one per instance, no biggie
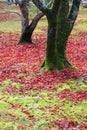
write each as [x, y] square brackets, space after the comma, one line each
[60, 23]
[27, 34]
[56, 47]
[24, 12]
[50, 60]
[61, 20]
[58, 33]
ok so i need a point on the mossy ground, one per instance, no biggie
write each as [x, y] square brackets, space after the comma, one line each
[38, 109]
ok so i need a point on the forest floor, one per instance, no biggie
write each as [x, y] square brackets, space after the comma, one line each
[33, 99]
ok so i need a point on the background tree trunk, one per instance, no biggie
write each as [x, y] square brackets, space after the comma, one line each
[24, 12]
[27, 33]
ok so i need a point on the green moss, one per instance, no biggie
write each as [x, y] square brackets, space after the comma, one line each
[5, 83]
[4, 106]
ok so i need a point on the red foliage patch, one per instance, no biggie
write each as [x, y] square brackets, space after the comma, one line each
[76, 96]
[7, 16]
[26, 59]
[64, 124]
[77, 50]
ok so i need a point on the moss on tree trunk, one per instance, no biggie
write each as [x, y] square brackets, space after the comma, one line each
[58, 34]
[56, 49]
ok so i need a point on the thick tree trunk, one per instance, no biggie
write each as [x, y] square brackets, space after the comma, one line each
[56, 48]
[60, 23]
[58, 33]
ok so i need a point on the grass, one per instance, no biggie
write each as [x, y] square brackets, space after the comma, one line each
[81, 22]
[40, 108]
[16, 23]
[15, 27]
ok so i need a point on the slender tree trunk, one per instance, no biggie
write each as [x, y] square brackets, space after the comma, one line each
[24, 12]
[27, 34]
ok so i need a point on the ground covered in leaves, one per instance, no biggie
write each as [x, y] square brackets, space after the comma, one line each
[32, 99]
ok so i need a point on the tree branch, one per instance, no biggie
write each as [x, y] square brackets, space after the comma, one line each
[50, 3]
[74, 12]
[39, 16]
[41, 5]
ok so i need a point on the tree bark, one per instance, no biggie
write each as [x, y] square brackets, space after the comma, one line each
[24, 13]
[58, 34]
[56, 46]
[50, 60]
[60, 23]
[26, 36]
